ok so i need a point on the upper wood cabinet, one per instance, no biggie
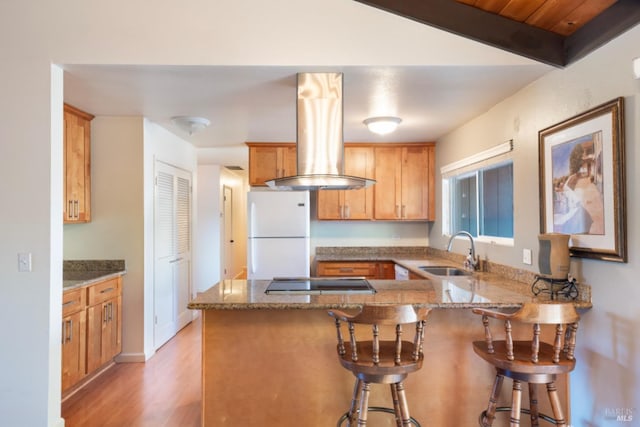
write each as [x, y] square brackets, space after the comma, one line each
[404, 174]
[350, 204]
[405, 187]
[77, 165]
[268, 161]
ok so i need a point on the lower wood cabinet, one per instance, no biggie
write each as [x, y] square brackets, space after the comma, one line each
[368, 269]
[104, 318]
[74, 337]
[91, 329]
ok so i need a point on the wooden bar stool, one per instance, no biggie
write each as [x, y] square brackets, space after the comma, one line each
[378, 360]
[532, 361]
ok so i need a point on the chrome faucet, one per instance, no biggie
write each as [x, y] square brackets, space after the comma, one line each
[471, 262]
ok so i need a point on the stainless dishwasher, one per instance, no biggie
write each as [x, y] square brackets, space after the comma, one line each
[401, 272]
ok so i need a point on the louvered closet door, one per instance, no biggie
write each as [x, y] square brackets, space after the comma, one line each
[182, 267]
[172, 236]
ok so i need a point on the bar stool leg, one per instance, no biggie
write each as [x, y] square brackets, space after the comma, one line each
[533, 404]
[516, 399]
[555, 404]
[364, 404]
[396, 405]
[353, 410]
[404, 407]
[490, 413]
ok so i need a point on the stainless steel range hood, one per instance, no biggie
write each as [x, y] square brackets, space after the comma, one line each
[320, 146]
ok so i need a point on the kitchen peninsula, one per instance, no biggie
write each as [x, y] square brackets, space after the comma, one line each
[270, 359]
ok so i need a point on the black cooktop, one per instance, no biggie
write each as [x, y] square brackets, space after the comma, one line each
[320, 285]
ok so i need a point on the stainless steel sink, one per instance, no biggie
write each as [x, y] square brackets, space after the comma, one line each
[444, 270]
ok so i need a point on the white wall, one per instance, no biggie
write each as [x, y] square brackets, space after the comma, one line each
[38, 33]
[124, 150]
[159, 145]
[208, 245]
[368, 233]
[116, 230]
[206, 238]
[607, 376]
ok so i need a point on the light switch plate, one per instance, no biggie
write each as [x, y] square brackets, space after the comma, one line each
[526, 256]
[24, 262]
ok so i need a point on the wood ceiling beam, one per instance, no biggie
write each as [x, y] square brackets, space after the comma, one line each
[615, 20]
[512, 36]
[481, 26]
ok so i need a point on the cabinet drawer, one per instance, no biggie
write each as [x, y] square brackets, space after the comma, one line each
[347, 269]
[104, 290]
[73, 301]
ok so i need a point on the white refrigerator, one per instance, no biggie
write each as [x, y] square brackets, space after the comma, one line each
[278, 234]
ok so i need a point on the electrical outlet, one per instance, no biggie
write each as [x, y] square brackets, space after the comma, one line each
[526, 256]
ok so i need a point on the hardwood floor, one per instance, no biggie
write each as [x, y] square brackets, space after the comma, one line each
[163, 392]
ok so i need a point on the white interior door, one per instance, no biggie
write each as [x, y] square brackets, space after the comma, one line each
[172, 252]
[228, 272]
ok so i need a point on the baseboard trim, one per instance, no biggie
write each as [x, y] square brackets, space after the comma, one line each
[132, 357]
[86, 380]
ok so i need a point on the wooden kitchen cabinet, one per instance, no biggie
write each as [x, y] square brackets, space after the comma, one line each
[386, 270]
[74, 337]
[405, 182]
[77, 165]
[104, 322]
[350, 204]
[368, 269]
[268, 161]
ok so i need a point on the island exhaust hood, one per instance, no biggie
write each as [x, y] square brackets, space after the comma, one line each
[320, 146]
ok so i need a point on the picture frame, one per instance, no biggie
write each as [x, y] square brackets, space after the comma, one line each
[582, 182]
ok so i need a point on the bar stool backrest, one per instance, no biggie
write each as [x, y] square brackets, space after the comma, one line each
[563, 316]
[377, 316]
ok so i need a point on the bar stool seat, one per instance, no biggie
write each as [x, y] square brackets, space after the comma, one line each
[531, 361]
[380, 360]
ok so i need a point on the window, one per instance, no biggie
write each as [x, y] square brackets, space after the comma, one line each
[480, 201]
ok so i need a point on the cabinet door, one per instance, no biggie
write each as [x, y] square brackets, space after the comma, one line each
[387, 190]
[96, 323]
[415, 183]
[289, 161]
[263, 164]
[347, 269]
[359, 161]
[271, 161]
[386, 270]
[73, 348]
[104, 332]
[112, 332]
[330, 204]
[77, 165]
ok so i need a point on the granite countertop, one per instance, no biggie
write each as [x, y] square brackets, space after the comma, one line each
[496, 286]
[79, 273]
[484, 289]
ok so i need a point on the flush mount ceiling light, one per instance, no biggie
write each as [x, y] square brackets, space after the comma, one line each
[382, 125]
[190, 124]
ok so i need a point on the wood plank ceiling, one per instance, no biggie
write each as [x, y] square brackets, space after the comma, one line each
[555, 32]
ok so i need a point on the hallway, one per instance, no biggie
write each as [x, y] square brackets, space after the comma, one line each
[163, 392]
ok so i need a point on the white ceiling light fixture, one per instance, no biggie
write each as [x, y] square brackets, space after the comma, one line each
[191, 124]
[636, 68]
[382, 125]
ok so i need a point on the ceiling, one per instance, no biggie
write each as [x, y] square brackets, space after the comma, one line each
[555, 32]
[257, 103]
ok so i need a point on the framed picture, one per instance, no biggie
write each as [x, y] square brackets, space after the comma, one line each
[582, 182]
